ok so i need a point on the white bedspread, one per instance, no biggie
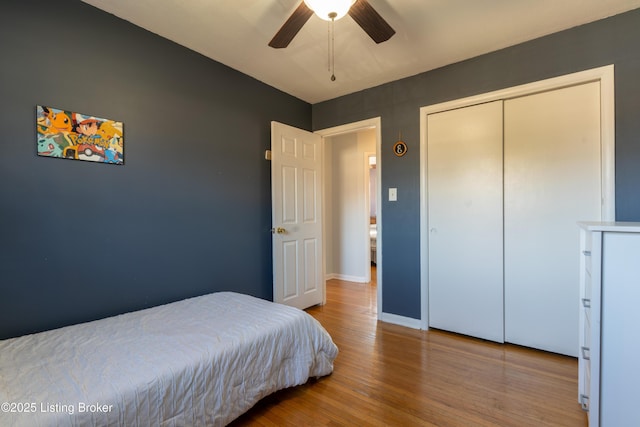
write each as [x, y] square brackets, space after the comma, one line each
[201, 361]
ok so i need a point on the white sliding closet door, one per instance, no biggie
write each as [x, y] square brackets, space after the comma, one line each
[552, 179]
[464, 158]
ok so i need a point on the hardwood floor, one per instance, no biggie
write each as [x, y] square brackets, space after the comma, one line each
[389, 375]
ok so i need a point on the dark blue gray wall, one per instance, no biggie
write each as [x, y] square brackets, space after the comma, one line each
[610, 41]
[188, 213]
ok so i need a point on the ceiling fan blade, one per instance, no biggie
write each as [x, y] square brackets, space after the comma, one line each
[290, 28]
[371, 22]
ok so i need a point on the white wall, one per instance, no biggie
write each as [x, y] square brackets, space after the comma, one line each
[347, 222]
[328, 208]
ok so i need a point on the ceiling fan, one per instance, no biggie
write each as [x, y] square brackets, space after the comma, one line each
[360, 10]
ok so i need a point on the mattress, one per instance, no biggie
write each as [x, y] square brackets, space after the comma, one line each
[200, 361]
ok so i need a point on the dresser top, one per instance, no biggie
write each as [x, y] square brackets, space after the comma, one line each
[616, 226]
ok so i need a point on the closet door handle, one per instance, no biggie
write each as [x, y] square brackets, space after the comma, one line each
[586, 302]
[585, 353]
[586, 253]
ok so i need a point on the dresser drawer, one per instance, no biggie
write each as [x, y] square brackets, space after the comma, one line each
[586, 291]
[588, 239]
[587, 260]
[586, 329]
[586, 252]
[586, 393]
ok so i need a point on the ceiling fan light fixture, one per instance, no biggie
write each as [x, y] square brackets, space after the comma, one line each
[330, 9]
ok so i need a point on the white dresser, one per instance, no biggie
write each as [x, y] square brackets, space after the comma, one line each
[609, 353]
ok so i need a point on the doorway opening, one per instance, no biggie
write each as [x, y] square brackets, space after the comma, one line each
[351, 203]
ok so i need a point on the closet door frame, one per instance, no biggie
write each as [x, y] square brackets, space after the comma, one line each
[604, 75]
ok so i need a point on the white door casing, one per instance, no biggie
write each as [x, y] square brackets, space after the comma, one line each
[551, 180]
[602, 76]
[296, 182]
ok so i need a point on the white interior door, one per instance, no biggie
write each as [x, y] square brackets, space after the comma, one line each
[552, 180]
[464, 169]
[296, 177]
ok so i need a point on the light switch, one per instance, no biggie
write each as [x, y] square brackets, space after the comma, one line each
[393, 194]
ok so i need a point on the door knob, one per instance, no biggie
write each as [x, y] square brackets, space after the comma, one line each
[278, 230]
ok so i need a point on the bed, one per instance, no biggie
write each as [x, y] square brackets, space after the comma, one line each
[200, 361]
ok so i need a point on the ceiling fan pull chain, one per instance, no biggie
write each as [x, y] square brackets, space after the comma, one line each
[332, 61]
[329, 46]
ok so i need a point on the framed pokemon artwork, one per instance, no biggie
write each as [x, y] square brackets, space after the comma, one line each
[69, 135]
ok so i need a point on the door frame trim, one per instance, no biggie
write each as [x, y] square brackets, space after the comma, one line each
[604, 75]
[372, 123]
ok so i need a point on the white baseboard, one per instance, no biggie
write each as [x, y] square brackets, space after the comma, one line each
[346, 278]
[409, 322]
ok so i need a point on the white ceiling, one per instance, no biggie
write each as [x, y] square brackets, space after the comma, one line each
[429, 34]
